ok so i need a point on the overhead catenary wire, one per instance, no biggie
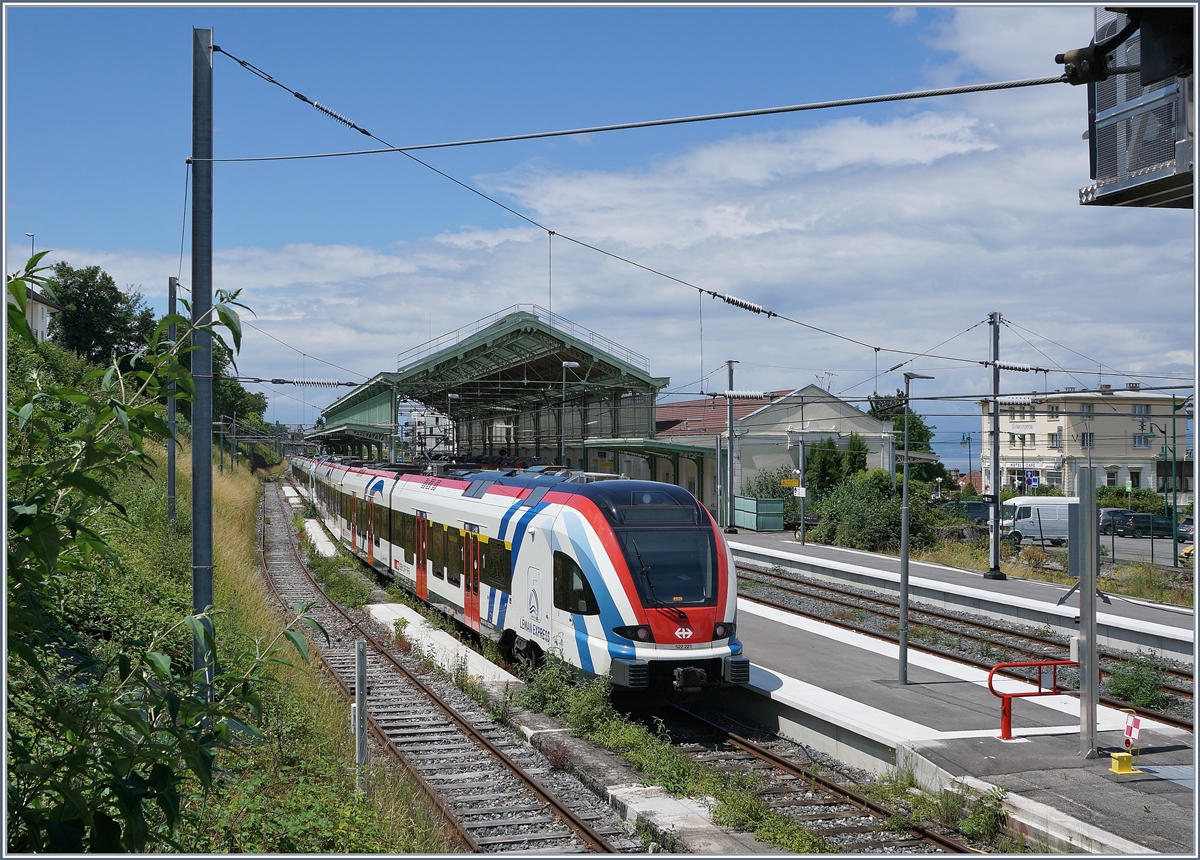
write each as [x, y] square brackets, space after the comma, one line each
[729, 299]
[302, 352]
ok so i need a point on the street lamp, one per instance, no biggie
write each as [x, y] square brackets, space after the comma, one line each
[939, 483]
[30, 235]
[562, 450]
[908, 377]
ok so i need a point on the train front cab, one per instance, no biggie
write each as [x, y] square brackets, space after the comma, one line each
[666, 620]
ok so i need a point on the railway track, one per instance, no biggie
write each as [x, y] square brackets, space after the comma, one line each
[852, 608]
[850, 822]
[497, 793]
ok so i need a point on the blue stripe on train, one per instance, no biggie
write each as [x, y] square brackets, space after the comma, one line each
[491, 602]
[610, 616]
[503, 607]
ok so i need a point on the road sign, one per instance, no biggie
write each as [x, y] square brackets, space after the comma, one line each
[789, 482]
[1028, 474]
[799, 492]
[988, 499]
[1129, 486]
[1033, 482]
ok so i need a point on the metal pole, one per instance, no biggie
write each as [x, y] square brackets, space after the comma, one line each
[994, 571]
[1174, 493]
[1088, 557]
[171, 285]
[803, 483]
[562, 451]
[360, 714]
[233, 448]
[908, 377]
[202, 213]
[720, 506]
[730, 528]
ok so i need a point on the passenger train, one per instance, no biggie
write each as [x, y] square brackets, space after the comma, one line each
[630, 579]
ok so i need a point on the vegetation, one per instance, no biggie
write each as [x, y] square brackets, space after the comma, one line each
[892, 407]
[97, 322]
[586, 710]
[113, 743]
[1139, 682]
[864, 513]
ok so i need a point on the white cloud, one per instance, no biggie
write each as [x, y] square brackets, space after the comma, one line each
[899, 232]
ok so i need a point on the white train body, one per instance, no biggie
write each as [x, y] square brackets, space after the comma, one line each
[630, 579]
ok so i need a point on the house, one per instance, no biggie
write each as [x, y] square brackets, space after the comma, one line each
[1125, 434]
[38, 311]
[767, 434]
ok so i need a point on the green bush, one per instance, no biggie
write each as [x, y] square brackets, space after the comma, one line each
[864, 513]
[1139, 682]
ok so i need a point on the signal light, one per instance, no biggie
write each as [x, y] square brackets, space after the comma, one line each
[637, 633]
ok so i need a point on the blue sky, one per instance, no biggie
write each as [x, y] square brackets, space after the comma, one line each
[899, 225]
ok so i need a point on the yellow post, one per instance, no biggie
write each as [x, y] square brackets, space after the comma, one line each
[1122, 762]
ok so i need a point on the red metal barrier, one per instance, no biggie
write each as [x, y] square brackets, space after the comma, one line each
[1006, 698]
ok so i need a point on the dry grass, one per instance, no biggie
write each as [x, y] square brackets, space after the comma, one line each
[1132, 579]
[247, 613]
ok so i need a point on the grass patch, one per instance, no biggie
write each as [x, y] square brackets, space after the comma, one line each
[341, 580]
[587, 711]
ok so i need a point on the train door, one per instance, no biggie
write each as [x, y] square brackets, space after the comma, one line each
[371, 532]
[421, 553]
[354, 520]
[471, 569]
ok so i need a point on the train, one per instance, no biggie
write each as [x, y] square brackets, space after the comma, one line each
[622, 578]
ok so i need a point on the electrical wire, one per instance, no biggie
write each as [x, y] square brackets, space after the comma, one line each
[187, 179]
[825, 105]
[302, 352]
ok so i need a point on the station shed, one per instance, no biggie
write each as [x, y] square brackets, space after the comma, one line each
[520, 384]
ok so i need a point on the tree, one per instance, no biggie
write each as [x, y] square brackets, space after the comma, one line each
[97, 320]
[888, 407]
[854, 458]
[824, 467]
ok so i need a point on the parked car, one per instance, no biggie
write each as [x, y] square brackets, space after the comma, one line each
[1141, 525]
[976, 512]
[1108, 515]
[1187, 531]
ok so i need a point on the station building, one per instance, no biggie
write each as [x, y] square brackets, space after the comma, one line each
[1125, 434]
[524, 386]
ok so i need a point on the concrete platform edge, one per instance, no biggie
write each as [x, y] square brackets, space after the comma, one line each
[1043, 826]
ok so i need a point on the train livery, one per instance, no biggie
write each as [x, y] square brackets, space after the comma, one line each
[630, 579]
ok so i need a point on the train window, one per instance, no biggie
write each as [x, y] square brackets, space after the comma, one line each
[572, 592]
[672, 566]
[453, 556]
[496, 565]
[659, 514]
[437, 549]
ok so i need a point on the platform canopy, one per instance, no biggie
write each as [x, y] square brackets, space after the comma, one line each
[509, 362]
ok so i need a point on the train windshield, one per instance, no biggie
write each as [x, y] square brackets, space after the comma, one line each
[672, 566]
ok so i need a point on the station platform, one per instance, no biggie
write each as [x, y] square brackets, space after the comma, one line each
[838, 692]
[1126, 623]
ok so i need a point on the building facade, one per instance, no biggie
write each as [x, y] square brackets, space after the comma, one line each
[1125, 434]
[38, 311]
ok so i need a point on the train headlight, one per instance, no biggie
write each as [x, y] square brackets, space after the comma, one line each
[638, 633]
[723, 630]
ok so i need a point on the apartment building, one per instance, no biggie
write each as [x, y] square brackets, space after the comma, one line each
[1124, 433]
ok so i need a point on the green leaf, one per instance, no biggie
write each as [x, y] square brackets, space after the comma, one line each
[23, 415]
[316, 625]
[298, 640]
[160, 663]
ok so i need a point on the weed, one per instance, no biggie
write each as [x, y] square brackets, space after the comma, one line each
[556, 752]
[399, 626]
[987, 817]
[985, 647]
[1034, 557]
[1139, 682]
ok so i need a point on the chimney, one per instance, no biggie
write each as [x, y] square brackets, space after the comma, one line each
[1132, 386]
[1105, 388]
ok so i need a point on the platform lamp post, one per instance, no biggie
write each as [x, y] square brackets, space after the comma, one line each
[562, 448]
[908, 377]
[30, 235]
[450, 424]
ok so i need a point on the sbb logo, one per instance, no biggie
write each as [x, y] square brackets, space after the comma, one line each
[683, 633]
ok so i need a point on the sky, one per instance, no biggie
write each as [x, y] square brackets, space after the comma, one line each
[900, 225]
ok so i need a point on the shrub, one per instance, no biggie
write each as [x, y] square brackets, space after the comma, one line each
[1139, 682]
[864, 513]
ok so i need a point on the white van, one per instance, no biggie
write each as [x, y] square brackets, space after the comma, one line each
[1036, 517]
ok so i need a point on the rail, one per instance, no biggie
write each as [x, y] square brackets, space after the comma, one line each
[1006, 698]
